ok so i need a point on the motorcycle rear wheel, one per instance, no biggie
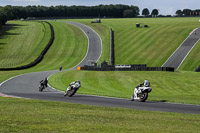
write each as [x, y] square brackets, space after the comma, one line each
[143, 97]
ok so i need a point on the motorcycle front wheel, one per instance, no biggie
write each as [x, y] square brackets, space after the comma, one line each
[143, 97]
[71, 92]
[41, 88]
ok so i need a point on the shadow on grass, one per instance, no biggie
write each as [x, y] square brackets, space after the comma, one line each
[4, 30]
[2, 43]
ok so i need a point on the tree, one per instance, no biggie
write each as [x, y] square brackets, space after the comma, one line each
[145, 12]
[187, 12]
[154, 12]
[128, 13]
[179, 13]
[5, 14]
[116, 11]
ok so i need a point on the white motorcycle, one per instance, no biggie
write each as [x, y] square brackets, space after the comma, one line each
[141, 94]
[72, 89]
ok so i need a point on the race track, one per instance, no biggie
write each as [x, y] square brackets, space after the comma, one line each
[26, 86]
[176, 59]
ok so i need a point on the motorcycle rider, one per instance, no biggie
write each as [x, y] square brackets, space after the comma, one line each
[75, 84]
[146, 83]
[44, 82]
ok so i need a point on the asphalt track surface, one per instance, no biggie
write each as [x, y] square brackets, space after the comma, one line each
[26, 86]
[183, 50]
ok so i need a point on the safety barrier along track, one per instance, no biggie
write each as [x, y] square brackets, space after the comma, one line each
[38, 59]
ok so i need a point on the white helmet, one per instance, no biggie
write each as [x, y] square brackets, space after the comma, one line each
[146, 83]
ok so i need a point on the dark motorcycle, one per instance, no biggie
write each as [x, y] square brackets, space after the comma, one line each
[43, 84]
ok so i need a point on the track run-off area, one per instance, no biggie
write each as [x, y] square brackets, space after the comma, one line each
[26, 86]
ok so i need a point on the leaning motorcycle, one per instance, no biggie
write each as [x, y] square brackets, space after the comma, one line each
[141, 94]
[71, 90]
[41, 87]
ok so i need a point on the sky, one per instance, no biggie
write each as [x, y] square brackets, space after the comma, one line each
[166, 7]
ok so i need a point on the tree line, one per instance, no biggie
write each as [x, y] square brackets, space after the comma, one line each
[110, 11]
[5, 14]
[188, 12]
[115, 11]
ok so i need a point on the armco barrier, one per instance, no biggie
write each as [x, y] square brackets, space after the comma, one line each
[126, 68]
[197, 69]
[41, 56]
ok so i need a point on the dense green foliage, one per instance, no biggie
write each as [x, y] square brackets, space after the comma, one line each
[22, 115]
[145, 12]
[116, 11]
[188, 12]
[5, 14]
[155, 12]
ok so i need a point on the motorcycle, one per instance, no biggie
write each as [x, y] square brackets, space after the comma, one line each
[141, 94]
[43, 84]
[71, 90]
[41, 87]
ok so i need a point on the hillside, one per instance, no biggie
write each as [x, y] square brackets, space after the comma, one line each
[152, 45]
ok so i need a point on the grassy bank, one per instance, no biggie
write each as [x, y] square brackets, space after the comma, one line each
[69, 48]
[177, 87]
[151, 46]
[22, 42]
[43, 116]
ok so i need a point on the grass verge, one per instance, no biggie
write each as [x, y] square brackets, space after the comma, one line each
[177, 87]
[43, 116]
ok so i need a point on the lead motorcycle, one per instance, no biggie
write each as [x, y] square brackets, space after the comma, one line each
[141, 94]
[72, 88]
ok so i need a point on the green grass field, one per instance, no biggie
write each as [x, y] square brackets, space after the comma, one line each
[21, 115]
[22, 42]
[151, 46]
[69, 47]
[179, 87]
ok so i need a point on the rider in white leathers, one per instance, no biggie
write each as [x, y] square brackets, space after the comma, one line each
[146, 83]
[76, 84]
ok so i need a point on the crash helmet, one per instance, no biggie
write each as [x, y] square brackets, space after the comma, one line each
[146, 83]
[78, 81]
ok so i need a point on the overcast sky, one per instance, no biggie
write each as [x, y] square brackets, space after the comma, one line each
[167, 7]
